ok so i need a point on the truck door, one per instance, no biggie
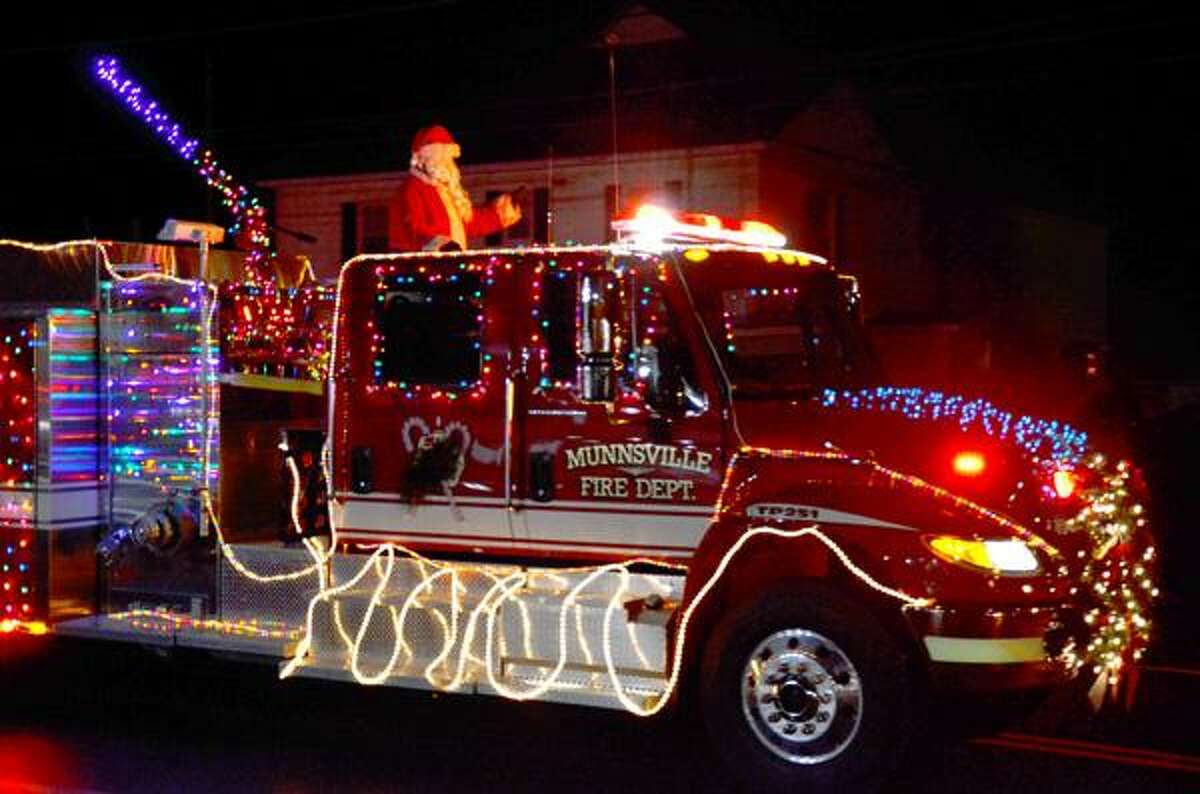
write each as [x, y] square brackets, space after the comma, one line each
[424, 408]
[622, 439]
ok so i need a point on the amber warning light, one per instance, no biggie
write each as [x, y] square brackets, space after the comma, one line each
[652, 224]
[1064, 484]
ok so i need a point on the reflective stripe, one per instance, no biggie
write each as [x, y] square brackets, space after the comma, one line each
[971, 650]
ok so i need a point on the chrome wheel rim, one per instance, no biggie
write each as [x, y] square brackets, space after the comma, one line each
[801, 696]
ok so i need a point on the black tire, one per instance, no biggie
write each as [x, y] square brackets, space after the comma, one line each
[857, 751]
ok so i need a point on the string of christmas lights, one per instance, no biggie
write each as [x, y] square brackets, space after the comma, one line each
[158, 384]
[270, 330]
[18, 403]
[463, 283]
[1118, 573]
[162, 621]
[249, 216]
[1051, 439]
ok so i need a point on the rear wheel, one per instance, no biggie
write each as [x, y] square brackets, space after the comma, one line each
[805, 689]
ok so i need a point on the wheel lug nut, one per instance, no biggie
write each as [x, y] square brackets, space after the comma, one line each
[823, 717]
[825, 698]
[776, 717]
[789, 729]
[808, 729]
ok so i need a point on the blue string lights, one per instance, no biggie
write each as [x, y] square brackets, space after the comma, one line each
[1058, 441]
[248, 215]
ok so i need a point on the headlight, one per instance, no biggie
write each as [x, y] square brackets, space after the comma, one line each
[995, 556]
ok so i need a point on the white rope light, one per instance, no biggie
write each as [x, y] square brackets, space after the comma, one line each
[505, 588]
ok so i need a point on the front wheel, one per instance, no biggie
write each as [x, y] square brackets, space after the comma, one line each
[806, 689]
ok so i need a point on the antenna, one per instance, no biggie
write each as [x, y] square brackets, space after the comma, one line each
[611, 40]
[549, 194]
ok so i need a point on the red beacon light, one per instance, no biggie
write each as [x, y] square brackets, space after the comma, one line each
[654, 225]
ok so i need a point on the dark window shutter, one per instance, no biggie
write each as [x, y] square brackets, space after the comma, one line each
[610, 212]
[493, 240]
[349, 230]
[374, 228]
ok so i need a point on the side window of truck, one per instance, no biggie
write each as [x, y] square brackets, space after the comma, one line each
[430, 333]
[560, 290]
[582, 323]
[660, 365]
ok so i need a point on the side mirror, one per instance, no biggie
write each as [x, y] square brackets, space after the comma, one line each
[667, 390]
[597, 373]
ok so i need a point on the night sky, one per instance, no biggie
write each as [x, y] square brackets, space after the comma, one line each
[1077, 109]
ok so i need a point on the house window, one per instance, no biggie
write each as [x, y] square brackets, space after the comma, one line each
[531, 228]
[374, 221]
[673, 193]
[559, 290]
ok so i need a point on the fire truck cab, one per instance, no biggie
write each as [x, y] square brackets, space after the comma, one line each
[587, 391]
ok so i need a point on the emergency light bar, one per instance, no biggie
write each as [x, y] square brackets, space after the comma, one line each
[653, 224]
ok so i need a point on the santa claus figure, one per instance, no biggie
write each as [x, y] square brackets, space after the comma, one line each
[431, 211]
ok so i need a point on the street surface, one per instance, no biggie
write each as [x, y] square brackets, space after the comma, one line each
[111, 719]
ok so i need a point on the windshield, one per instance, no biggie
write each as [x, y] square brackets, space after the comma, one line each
[782, 329]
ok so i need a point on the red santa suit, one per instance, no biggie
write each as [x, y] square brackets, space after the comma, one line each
[430, 209]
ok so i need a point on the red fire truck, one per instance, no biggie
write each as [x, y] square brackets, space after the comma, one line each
[660, 471]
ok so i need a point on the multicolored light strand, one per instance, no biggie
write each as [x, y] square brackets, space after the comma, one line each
[249, 217]
[18, 403]
[269, 330]
[465, 282]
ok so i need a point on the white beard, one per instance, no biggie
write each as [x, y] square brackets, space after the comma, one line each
[433, 167]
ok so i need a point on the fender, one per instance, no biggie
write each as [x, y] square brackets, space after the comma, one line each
[804, 489]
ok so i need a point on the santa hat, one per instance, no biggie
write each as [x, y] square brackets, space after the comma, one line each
[436, 134]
